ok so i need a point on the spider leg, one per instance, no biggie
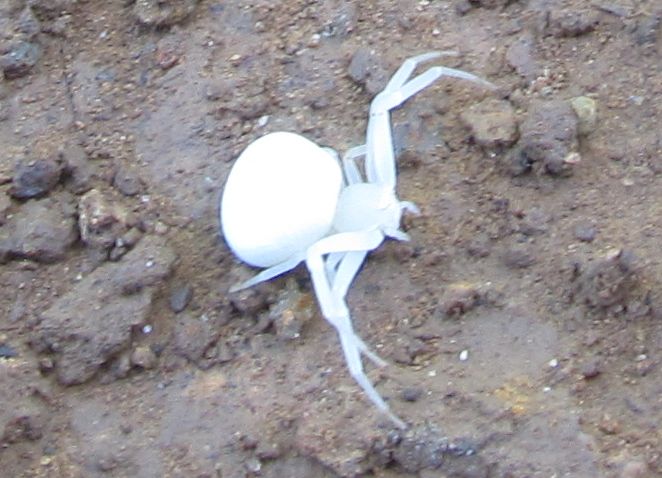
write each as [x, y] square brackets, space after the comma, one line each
[331, 264]
[333, 306]
[410, 207]
[352, 173]
[410, 64]
[380, 160]
[269, 273]
[347, 269]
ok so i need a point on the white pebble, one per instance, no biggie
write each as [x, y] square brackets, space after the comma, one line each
[147, 329]
[554, 363]
[464, 355]
[263, 120]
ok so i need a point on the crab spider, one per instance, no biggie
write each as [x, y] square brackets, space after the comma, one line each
[286, 201]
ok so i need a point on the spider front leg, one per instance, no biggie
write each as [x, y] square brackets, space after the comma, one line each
[380, 159]
[331, 300]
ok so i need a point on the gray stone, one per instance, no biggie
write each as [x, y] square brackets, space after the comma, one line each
[94, 322]
[35, 178]
[40, 231]
[180, 297]
[128, 182]
[548, 139]
[20, 59]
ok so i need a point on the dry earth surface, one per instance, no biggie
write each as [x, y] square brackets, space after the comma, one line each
[523, 322]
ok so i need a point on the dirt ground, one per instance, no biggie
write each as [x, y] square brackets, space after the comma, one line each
[522, 323]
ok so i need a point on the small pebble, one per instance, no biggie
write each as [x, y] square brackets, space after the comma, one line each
[462, 7]
[268, 451]
[253, 465]
[464, 356]
[7, 351]
[585, 232]
[46, 365]
[19, 59]
[609, 425]
[586, 111]
[180, 297]
[590, 370]
[411, 394]
[143, 357]
[127, 182]
[459, 298]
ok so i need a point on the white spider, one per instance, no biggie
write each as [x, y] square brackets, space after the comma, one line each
[285, 202]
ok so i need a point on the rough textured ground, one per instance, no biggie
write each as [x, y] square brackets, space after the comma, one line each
[523, 322]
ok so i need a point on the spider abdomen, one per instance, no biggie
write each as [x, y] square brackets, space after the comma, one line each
[280, 198]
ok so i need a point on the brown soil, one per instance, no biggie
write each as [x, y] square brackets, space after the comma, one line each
[523, 322]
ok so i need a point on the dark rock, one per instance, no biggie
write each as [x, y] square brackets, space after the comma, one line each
[40, 231]
[7, 351]
[266, 450]
[35, 178]
[459, 298]
[23, 428]
[548, 139]
[180, 297]
[367, 70]
[479, 246]
[421, 448]
[249, 301]
[571, 23]
[462, 7]
[411, 394]
[492, 123]
[591, 369]
[163, 13]
[20, 59]
[128, 182]
[94, 322]
[609, 281]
